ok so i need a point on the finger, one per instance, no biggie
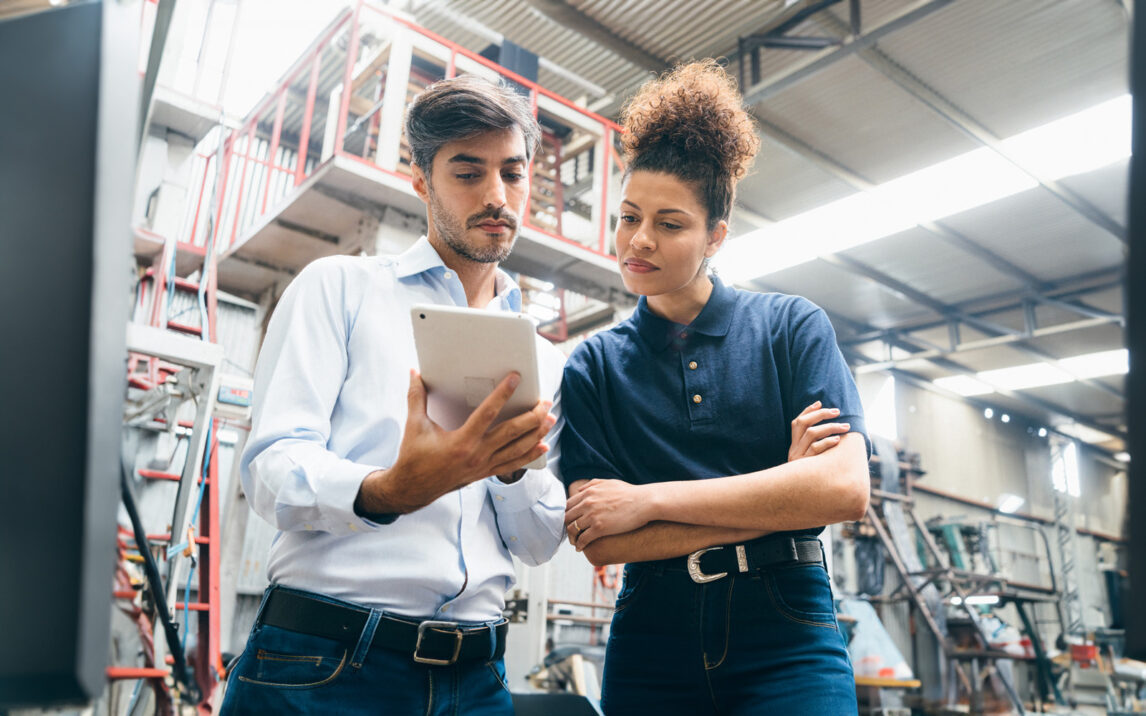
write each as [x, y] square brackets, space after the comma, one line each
[810, 408]
[573, 514]
[514, 465]
[515, 427]
[585, 538]
[819, 432]
[817, 416]
[821, 446]
[485, 413]
[416, 395]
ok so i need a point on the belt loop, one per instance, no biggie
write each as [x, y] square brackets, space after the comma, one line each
[492, 641]
[263, 604]
[366, 639]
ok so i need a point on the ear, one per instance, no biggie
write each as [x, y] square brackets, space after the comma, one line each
[716, 239]
[421, 183]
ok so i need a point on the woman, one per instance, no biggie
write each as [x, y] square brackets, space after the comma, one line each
[685, 450]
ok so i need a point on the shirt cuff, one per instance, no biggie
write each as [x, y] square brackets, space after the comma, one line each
[339, 491]
[520, 495]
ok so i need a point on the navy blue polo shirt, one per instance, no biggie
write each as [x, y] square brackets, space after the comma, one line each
[652, 401]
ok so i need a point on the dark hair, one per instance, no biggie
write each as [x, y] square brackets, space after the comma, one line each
[461, 107]
[690, 123]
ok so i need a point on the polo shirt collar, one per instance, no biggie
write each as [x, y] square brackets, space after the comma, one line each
[714, 319]
[422, 257]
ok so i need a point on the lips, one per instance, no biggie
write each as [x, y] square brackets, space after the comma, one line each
[639, 266]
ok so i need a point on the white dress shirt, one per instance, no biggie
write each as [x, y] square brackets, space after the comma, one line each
[330, 407]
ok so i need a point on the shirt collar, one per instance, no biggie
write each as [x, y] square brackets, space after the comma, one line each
[714, 319]
[422, 257]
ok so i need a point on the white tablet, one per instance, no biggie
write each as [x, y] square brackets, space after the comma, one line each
[463, 353]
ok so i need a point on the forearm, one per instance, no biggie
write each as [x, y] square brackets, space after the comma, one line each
[663, 540]
[806, 493]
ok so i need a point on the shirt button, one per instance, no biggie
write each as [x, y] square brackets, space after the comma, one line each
[692, 365]
[696, 398]
[499, 498]
[445, 607]
[512, 539]
[448, 275]
[684, 334]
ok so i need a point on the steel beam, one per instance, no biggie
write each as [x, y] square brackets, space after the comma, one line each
[788, 78]
[1018, 339]
[570, 17]
[969, 126]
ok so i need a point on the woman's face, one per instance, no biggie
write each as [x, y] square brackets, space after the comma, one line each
[662, 239]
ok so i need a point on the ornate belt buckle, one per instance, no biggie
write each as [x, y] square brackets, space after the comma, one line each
[441, 626]
[694, 567]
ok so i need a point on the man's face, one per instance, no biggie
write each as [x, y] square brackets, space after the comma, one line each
[476, 193]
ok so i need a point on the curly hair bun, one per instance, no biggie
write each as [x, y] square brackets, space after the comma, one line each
[695, 109]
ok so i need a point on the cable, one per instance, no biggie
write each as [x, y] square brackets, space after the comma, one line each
[179, 670]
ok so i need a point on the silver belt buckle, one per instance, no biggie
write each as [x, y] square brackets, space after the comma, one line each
[694, 567]
[444, 626]
[701, 578]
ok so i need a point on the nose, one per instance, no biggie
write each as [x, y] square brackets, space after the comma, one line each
[494, 192]
[641, 240]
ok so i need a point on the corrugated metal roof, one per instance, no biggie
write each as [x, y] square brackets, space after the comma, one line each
[1018, 64]
[1038, 232]
[855, 116]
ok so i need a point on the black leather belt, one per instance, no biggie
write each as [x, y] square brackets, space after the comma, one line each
[712, 563]
[437, 643]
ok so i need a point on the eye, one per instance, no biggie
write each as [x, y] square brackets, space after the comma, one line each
[670, 226]
[466, 176]
[629, 219]
[514, 176]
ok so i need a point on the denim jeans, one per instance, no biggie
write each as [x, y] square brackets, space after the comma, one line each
[761, 642]
[285, 672]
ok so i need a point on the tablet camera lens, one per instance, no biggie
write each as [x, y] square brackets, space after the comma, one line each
[421, 315]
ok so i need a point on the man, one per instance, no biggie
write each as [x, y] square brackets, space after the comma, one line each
[392, 560]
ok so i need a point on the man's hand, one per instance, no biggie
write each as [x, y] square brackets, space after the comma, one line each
[600, 508]
[432, 461]
[812, 436]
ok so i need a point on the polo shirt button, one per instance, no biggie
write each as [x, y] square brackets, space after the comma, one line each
[696, 398]
[692, 365]
[499, 498]
[448, 275]
[684, 334]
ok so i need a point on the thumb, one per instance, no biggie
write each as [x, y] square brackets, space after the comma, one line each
[416, 396]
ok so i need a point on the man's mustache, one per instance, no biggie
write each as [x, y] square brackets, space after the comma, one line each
[500, 214]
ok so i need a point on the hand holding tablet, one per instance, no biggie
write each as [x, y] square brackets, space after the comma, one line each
[464, 353]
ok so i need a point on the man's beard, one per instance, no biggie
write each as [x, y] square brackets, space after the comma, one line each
[453, 232]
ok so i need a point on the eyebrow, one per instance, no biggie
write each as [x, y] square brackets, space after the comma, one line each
[660, 211]
[470, 159]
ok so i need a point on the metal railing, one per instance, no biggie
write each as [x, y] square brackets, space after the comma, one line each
[307, 119]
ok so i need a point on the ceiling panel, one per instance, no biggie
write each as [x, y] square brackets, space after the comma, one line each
[1039, 233]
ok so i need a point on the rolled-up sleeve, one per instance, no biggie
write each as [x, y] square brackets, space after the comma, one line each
[291, 478]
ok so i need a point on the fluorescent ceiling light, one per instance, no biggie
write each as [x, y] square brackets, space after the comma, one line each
[964, 385]
[1022, 377]
[1098, 365]
[1037, 375]
[1082, 142]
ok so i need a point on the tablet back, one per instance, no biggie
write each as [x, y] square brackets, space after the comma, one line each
[463, 353]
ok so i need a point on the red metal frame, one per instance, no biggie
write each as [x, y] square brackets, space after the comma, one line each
[311, 61]
[304, 135]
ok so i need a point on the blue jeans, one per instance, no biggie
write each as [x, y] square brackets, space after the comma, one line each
[285, 672]
[762, 642]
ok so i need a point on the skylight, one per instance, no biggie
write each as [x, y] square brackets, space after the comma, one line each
[1082, 142]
